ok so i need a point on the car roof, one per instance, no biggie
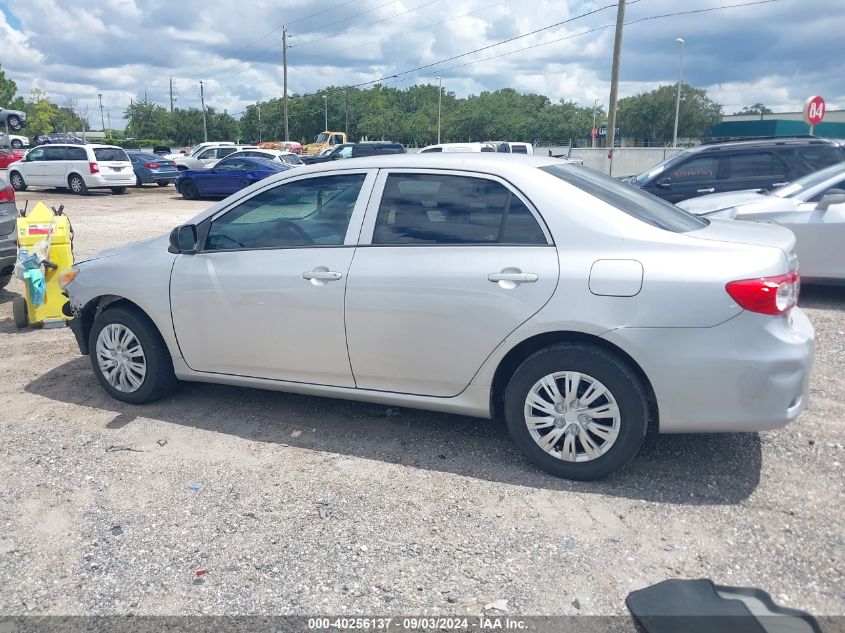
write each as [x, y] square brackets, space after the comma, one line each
[764, 141]
[466, 161]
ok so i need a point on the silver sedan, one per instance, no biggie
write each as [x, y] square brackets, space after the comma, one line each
[580, 310]
[812, 207]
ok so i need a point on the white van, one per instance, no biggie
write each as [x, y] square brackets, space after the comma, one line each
[458, 147]
[521, 148]
[78, 167]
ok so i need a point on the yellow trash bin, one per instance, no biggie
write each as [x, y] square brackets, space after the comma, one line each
[39, 226]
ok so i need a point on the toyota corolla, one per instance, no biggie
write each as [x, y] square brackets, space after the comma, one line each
[579, 309]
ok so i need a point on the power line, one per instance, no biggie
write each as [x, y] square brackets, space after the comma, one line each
[363, 26]
[347, 18]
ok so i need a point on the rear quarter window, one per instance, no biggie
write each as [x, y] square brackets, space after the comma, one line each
[820, 156]
[110, 154]
[628, 199]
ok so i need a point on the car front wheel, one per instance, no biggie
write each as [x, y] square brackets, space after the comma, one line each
[577, 411]
[14, 122]
[17, 181]
[188, 190]
[129, 357]
[17, 143]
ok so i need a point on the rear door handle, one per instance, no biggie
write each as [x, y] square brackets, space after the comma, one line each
[321, 275]
[520, 278]
[779, 184]
[708, 190]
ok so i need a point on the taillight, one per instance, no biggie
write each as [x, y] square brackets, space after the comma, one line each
[94, 167]
[7, 195]
[766, 295]
[151, 165]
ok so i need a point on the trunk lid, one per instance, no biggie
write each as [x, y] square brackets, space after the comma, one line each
[751, 234]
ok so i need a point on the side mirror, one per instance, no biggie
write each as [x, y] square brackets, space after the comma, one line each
[829, 199]
[664, 183]
[183, 239]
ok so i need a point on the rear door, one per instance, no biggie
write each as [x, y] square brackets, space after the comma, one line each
[449, 264]
[755, 169]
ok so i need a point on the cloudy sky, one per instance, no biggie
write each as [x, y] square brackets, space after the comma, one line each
[778, 52]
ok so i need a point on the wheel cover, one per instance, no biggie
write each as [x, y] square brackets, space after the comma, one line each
[76, 184]
[17, 181]
[572, 416]
[121, 358]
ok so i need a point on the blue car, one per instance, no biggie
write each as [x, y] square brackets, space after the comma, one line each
[227, 176]
[150, 168]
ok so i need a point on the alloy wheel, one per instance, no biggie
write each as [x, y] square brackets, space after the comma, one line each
[572, 416]
[121, 358]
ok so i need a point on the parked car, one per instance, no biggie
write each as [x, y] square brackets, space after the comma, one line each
[458, 147]
[8, 157]
[150, 168]
[764, 163]
[18, 142]
[281, 156]
[812, 207]
[15, 119]
[229, 176]
[162, 150]
[8, 234]
[79, 167]
[581, 310]
[59, 137]
[291, 146]
[208, 154]
[356, 150]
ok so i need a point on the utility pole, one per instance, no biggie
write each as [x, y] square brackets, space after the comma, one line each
[108, 116]
[680, 41]
[439, 102]
[259, 121]
[346, 107]
[204, 126]
[614, 77]
[171, 95]
[285, 62]
[102, 118]
[326, 105]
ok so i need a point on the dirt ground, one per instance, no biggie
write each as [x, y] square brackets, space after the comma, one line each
[306, 505]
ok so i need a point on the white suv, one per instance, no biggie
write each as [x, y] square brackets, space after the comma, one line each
[79, 167]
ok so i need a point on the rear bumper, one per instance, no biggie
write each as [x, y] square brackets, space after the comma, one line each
[95, 181]
[148, 179]
[750, 373]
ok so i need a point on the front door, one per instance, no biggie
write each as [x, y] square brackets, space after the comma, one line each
[449, 264]
[33, 166]
[264, 297]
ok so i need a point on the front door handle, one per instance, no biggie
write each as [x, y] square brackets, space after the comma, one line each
[321, 274]
[708, 190]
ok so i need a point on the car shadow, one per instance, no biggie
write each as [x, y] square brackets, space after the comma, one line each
[6, 295]
[716, 469]
[822, 295]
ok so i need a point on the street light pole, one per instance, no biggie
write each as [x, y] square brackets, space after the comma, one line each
[326, 104]
[439, 102]
[593, 131]
[680, 41]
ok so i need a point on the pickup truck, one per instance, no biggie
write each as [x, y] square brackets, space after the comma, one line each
[324, 140]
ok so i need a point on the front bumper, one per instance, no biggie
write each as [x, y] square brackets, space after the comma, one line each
[750, 373]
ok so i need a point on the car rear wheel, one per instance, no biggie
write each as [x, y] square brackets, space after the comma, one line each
[17, 143]
[161, 183]
[17, 181]
[577, 411]
[5, 279]
[129, 357]
[188, 190]
[14, 122]
[77, 185]
[118, 190]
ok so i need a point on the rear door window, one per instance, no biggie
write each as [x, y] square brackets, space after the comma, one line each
[76, 153]
[452, 210]
[107, 154]
[821, 156]
[756, 164]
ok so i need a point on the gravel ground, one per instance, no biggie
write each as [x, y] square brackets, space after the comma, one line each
[306, 505]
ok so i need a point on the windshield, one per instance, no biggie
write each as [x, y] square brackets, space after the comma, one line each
[322, 137]
[810, 181]
[291, 159]
[658, 169]
[628, 199]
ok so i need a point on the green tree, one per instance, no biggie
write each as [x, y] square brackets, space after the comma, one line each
[41, 113]
[757, 108]
[651, 115]
[8, 89]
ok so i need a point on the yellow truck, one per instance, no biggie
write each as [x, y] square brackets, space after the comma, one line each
[324, 140]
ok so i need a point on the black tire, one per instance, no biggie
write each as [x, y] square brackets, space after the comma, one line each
[159, 379]
[4, 280]
[19, 312]
[77, 185]
[17, 181]
[161, 183]
[614, 373]
[189, 190]
[118, 190]
[138, 182]
[14, 122]
[17, 143]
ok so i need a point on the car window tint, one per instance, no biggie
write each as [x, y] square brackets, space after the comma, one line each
[110, 154]
[209, 153]
[315, 211]
[755, 164]
[54, 153]
[519, 149]
[701, 168]
[222, 152]
[435, 209]
[337, 139]
[76, 153]
[819, 157]
[628, 199]
[231, 164]
[346, 152]
[36, 154]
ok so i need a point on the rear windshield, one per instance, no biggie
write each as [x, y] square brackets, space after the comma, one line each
[110, 154]
[629, 199]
